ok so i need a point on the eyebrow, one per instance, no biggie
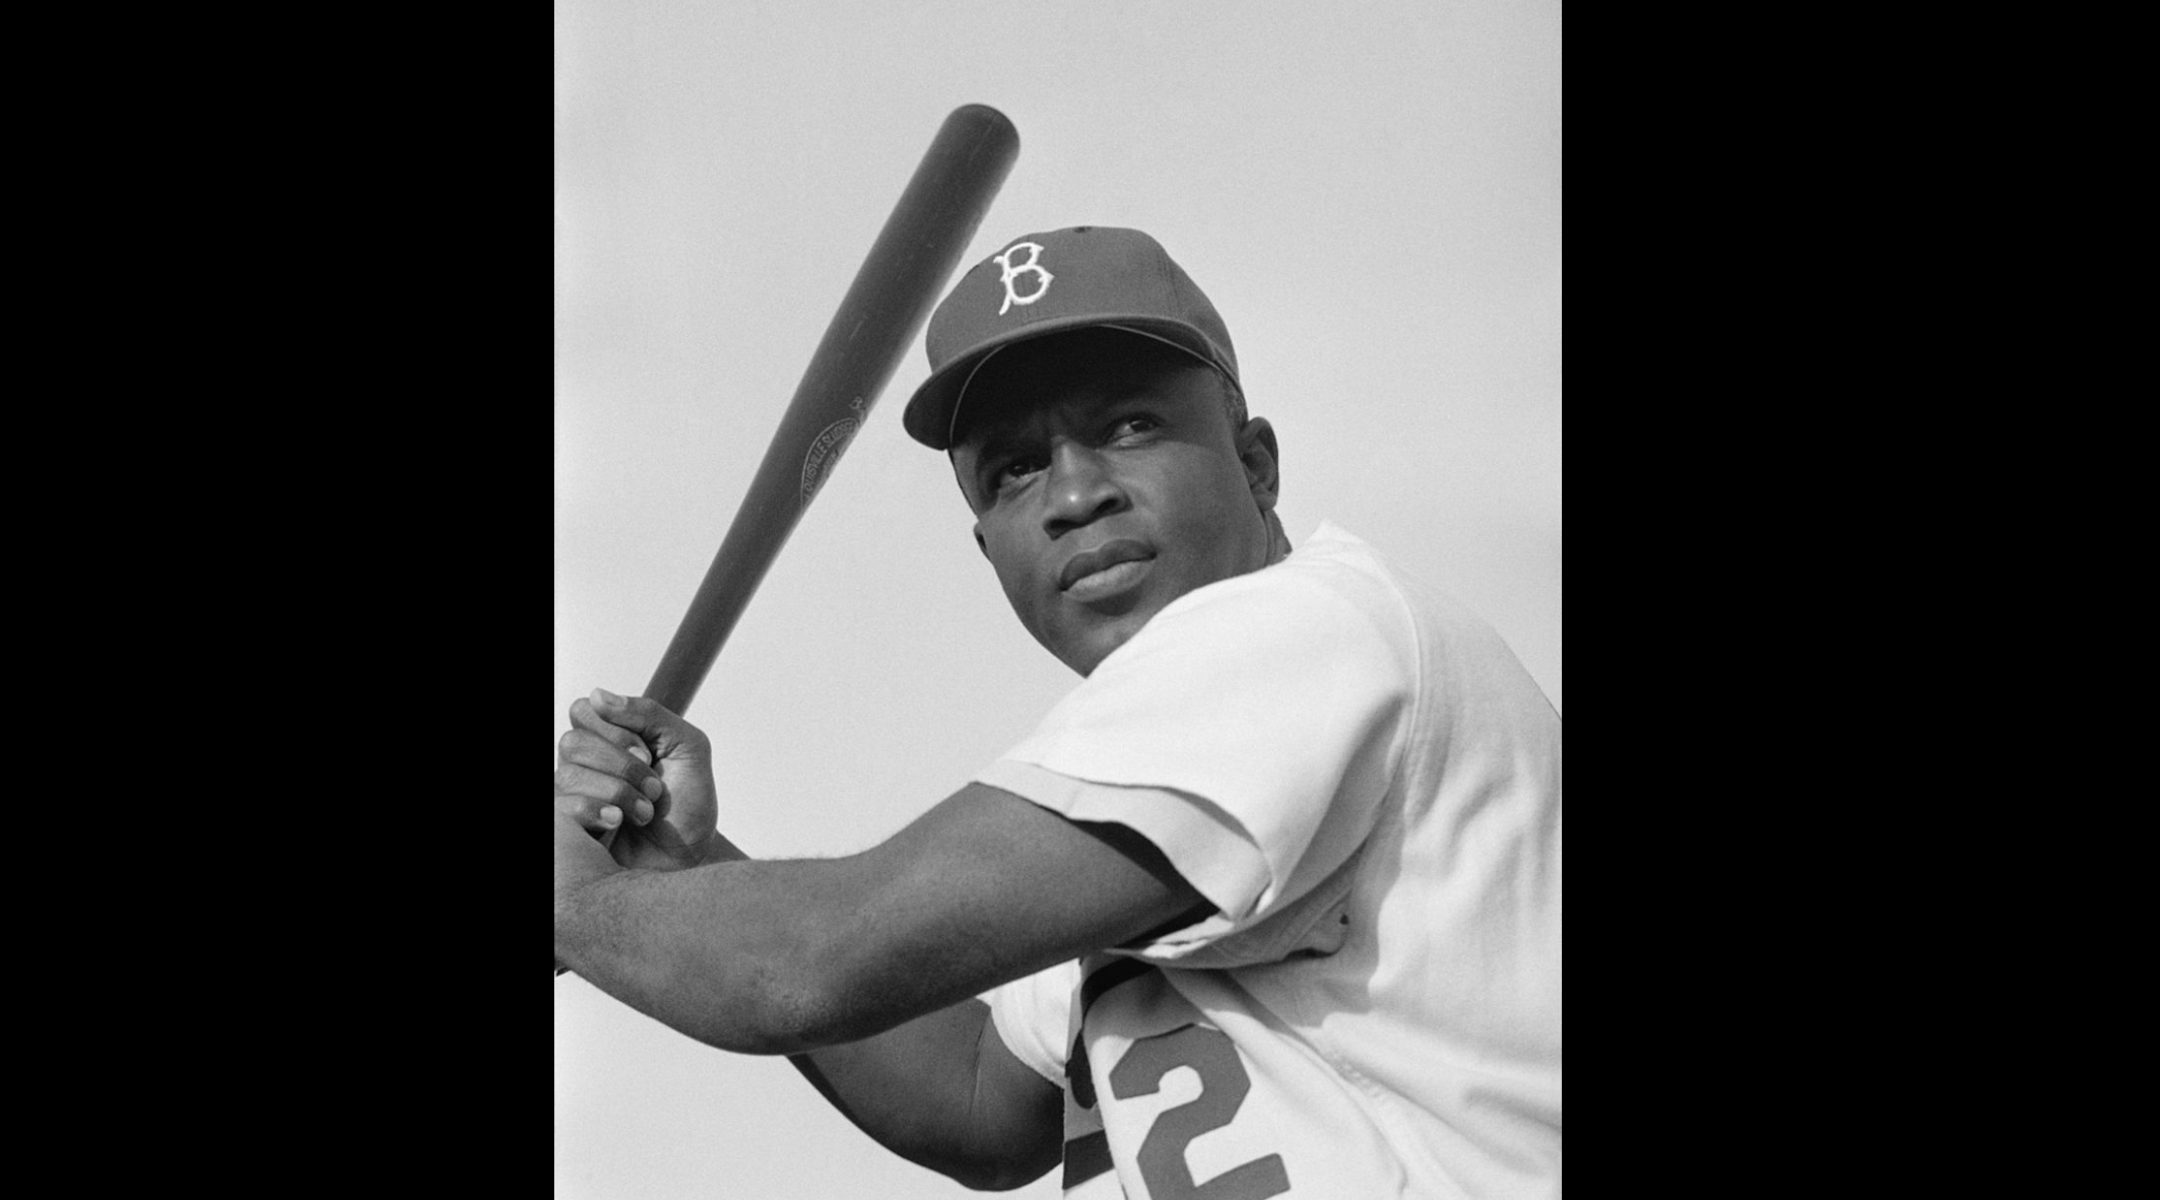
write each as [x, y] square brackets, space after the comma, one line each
[988, 448]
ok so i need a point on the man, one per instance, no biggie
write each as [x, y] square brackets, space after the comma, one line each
[1269, 905]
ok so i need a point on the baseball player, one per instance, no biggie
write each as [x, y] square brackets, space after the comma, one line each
[1268, 905]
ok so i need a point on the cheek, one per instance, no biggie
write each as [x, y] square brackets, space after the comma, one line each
[1014, 570]
[1216, 505]
[1016, 590]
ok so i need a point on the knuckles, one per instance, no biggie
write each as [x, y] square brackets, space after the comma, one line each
[662, 728]
[576, 780]
[585, 746]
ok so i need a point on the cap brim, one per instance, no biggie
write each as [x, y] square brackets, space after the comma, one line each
[928, 417]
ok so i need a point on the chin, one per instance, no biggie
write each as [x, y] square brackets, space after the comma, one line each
[1078, 653]
[1086, 651]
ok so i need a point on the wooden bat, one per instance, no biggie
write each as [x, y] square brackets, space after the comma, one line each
[883, 311]
[879, 317]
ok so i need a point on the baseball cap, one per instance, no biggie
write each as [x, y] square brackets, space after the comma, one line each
[1083, 277]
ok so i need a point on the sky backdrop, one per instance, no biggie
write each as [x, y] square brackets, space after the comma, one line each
[1368, 192]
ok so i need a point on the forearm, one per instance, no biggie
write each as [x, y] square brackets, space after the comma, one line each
[717, 849]
[729, 953]
[717, 952]
[768, 956]
[780, 957]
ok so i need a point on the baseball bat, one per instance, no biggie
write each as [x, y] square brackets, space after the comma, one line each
[878, 318]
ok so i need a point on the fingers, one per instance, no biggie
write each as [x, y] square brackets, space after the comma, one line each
[597, 800]
[667, 733]
[585, 715]
[606, 771]
[590, 742]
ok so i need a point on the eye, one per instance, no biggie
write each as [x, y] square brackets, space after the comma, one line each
[1012, 470]
[1132, 427]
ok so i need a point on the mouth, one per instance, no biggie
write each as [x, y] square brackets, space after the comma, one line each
[1106, 570]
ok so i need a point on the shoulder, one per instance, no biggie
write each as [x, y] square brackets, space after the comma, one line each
[1332, 598]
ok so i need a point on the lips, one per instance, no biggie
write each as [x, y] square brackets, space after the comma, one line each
[1101, 558]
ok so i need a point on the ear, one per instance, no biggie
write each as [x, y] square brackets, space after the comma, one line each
[979, 543]
[1262, 460]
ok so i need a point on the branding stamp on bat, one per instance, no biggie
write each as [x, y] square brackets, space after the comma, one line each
[826, 447]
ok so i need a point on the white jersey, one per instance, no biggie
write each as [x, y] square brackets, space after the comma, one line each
[1365, 783]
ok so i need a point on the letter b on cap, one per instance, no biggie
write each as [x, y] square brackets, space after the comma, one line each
[1014, 271]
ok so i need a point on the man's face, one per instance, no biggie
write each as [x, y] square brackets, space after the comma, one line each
[1106, 482]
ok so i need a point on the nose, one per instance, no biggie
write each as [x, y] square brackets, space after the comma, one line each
[1082, 488]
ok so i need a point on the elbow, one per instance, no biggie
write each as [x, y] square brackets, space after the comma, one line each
[1001, 1177]
[980, 1171]
[1011, 1145]
[1011, 1164]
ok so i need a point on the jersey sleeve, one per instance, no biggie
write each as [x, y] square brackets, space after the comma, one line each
[1033, 1017]
[1249, 731]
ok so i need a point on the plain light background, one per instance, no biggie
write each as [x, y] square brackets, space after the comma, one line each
[1370, 194]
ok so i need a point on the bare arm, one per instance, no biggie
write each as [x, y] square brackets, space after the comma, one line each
[782, 957]
[939, 1088]
[941, 1091]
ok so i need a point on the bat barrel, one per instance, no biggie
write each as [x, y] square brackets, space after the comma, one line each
[880, 316]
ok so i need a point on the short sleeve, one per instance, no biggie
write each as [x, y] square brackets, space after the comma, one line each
[1249, 731]
[1033, 1017]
